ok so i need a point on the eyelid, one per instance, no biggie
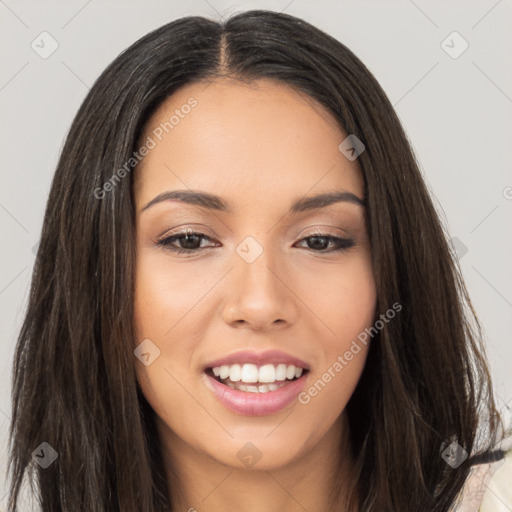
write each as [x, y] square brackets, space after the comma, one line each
[325, 231]
[189, 229]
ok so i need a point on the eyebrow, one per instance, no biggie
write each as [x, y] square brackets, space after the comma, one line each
[213, 202]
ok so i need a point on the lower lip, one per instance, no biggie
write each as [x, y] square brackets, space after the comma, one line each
[256, 404]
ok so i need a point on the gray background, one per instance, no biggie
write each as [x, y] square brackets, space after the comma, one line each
[456, 111]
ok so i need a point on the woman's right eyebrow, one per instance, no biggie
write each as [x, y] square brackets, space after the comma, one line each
[214, 202]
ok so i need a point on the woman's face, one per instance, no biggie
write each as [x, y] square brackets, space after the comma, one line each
[262, 294]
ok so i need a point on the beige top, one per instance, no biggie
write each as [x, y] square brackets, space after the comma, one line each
[488, 488]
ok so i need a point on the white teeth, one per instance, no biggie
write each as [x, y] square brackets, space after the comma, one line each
[281, 372]
[249, 373]
[252, 374]
[235, 373]
[267, 373]
[224, 372]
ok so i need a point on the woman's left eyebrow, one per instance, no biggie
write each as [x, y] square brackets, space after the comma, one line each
[214, 202]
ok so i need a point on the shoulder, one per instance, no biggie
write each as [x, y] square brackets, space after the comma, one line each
[487, 488]
[498, 493]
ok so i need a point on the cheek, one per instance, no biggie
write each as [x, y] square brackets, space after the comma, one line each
[348, 301]
[170, 310]
[160, 307]
[345, 300]
[165, 294]
[156, 311]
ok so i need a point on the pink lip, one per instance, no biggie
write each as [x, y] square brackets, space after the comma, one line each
[258, 358]
[256, 404]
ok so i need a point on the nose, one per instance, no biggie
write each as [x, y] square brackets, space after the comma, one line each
[259, 294]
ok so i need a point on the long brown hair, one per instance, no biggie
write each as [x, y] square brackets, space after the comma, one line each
[426, 382]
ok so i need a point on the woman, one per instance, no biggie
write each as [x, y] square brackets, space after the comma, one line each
[243, 298]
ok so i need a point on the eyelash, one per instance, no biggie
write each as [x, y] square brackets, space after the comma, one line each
[343, 244]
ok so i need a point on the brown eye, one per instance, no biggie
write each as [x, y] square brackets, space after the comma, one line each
[320, 242]
[189, 241]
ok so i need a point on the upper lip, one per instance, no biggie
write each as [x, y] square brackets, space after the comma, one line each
[258, 358]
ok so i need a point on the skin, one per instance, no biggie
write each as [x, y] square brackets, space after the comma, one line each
[259, 146]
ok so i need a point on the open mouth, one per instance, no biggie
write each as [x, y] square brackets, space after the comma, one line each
[252, 378]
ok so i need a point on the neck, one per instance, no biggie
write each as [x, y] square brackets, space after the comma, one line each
[199, 482]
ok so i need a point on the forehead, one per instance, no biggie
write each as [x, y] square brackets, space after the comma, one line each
[262, 139]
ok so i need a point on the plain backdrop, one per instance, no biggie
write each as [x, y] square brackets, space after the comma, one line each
[455, 105]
